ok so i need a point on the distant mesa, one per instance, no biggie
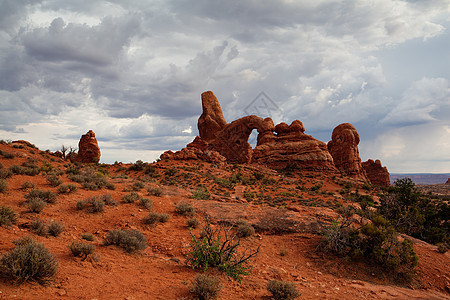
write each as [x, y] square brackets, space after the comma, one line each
[277, 147]
[88, 149]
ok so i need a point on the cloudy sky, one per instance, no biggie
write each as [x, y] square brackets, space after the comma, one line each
[133, 71]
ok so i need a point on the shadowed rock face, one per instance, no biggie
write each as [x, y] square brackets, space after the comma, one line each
[291, 146]
[211, 121]
[232, 140]
[88, 150]
[343, 147]
[376, 173]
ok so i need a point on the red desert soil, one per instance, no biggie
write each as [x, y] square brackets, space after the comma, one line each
[284, 210]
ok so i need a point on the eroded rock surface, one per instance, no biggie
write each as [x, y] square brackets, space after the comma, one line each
[291, 146]
[343, 147]
[211, 121]
[376, 173]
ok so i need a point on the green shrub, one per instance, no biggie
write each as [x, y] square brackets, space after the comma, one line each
[55, 228]
[282, 290]
[217, 249]
[131, 197]
[154, 218]
[87, 236]
[205, 287]
[130, 240]
[81, 249]
[154, 191]
[184, 209]
[193, 222]
[147, 203]
[39, 227]
[201, 193]
[29, 261]
[36, 205]
[244, 229]
[376, 241]
[7, 216]
[3, 185]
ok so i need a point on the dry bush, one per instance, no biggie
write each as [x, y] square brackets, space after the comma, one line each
[81, 249]
[7, 216]
[154, 218]
[205, 287]
[130, 240]
[282, 290]
[184, 209]
[55, 228]
[28, 261]
[131, 197]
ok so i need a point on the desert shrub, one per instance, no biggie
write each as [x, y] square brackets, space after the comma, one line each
[131, 197]
[29, 261]
[3, 185]
[244, 229]
[16, 169]
[137, 186]
[81, 249]
[139, 165]
[47, 196]
[184, 209]
[416, 214]
[7, 216]
[153, 218]
[170, 172]
[7, 155]
[36, 204]
[201, 193]
[282, 290]
[442, 247]
[147, 203]
[108, 200]
[46, 167]
[5, 173]
[154, 191]
[95, 205]
[39, 227]
[316, 187]
[91, 179]
[215, 248]
[87, 236]
[205, 287]
[54, 180]
[193, 222]
[130, 240]
[376, 242]
[55, 228]
[81, 204]
[249, 195]
[67, 188]
[27, 185]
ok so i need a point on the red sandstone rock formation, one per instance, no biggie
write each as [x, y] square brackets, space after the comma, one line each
[88, 150]
[448, 181]
[211, 121]
[232, 140]
[196, 150]
[291, 146]
[343, 147]
[376, 173]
